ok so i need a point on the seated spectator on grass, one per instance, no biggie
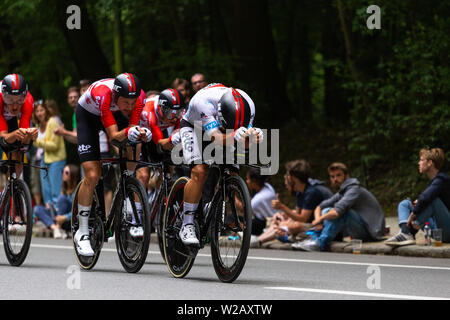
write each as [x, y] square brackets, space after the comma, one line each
[293, 221]
[59, 221]
[308, 197]
[262, 200]
[352, 209]
[433, 204]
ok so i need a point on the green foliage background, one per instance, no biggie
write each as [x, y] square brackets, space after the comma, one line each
[376, 124]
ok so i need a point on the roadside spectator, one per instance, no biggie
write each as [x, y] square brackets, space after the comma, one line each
[54, 155]
[54, 110]
[269, 233]
[261, 202]
[60, 223]
[198, 81]
[352, 209]
[293, 221]
[183, 86]
[73, 94]
[84, 85]
[35, 180]
[433, 204]
[152, 93]
[308, 197]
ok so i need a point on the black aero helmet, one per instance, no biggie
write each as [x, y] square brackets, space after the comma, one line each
[171, 103]
[14, 84]
[234, 111]
[127, 85]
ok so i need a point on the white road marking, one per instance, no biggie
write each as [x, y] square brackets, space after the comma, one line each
[349, 263]
[276, 259]
[356, 293]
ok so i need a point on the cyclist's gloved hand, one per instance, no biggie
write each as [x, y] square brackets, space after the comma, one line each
[259, 133]
[175, 138]
[240, 133]
[133, 134]
[148, 134]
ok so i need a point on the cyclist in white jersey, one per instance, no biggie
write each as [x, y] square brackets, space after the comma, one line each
[216, 107]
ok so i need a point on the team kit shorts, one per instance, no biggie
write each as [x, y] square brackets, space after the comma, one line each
[88, 127]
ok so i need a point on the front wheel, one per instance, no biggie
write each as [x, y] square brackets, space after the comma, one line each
[178, 259]
[96, 231]
[132, 248]
[17, 223]
[231, 229]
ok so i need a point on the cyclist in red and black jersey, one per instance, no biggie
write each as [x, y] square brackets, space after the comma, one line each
[16, 105]
[115, 106]
[16, 109]
[162, 115]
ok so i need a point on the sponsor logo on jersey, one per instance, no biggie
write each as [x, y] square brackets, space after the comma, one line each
[211, 125]
[82, 149]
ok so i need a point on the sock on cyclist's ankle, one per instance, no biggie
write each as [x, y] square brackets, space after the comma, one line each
[129, 210]
[138, 210]
[83, 219]
[188, 212]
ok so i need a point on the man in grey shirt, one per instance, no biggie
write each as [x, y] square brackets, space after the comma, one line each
[353, 209]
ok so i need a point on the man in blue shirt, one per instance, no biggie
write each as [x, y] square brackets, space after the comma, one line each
[293, 221]
[308, 196]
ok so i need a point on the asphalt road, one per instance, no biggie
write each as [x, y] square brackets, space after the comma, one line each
[51, 272]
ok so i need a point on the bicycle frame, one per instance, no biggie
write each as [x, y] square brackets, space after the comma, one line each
[100, 209]
[11, 164]
[205, 219]
[122, 161]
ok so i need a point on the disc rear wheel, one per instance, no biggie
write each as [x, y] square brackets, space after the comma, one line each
[178, 258]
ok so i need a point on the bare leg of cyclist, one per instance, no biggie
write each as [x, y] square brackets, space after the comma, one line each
[135, 231]
[143, 175]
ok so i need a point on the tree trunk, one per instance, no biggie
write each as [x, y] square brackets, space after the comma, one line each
[118, 39]
[255, 60]
[350, 55]
[335, 106]
[305, 108]
[83, 43]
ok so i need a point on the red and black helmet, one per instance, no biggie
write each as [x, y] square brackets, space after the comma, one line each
[234, 111]
[127, 85]
[14, 84]
[171, 104]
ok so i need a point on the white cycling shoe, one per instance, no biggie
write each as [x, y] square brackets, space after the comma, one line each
[83, 244]
[188, 236]
[137, 232]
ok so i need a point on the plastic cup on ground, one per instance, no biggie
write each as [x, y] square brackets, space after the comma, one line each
[437, 236]
[356, 246]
